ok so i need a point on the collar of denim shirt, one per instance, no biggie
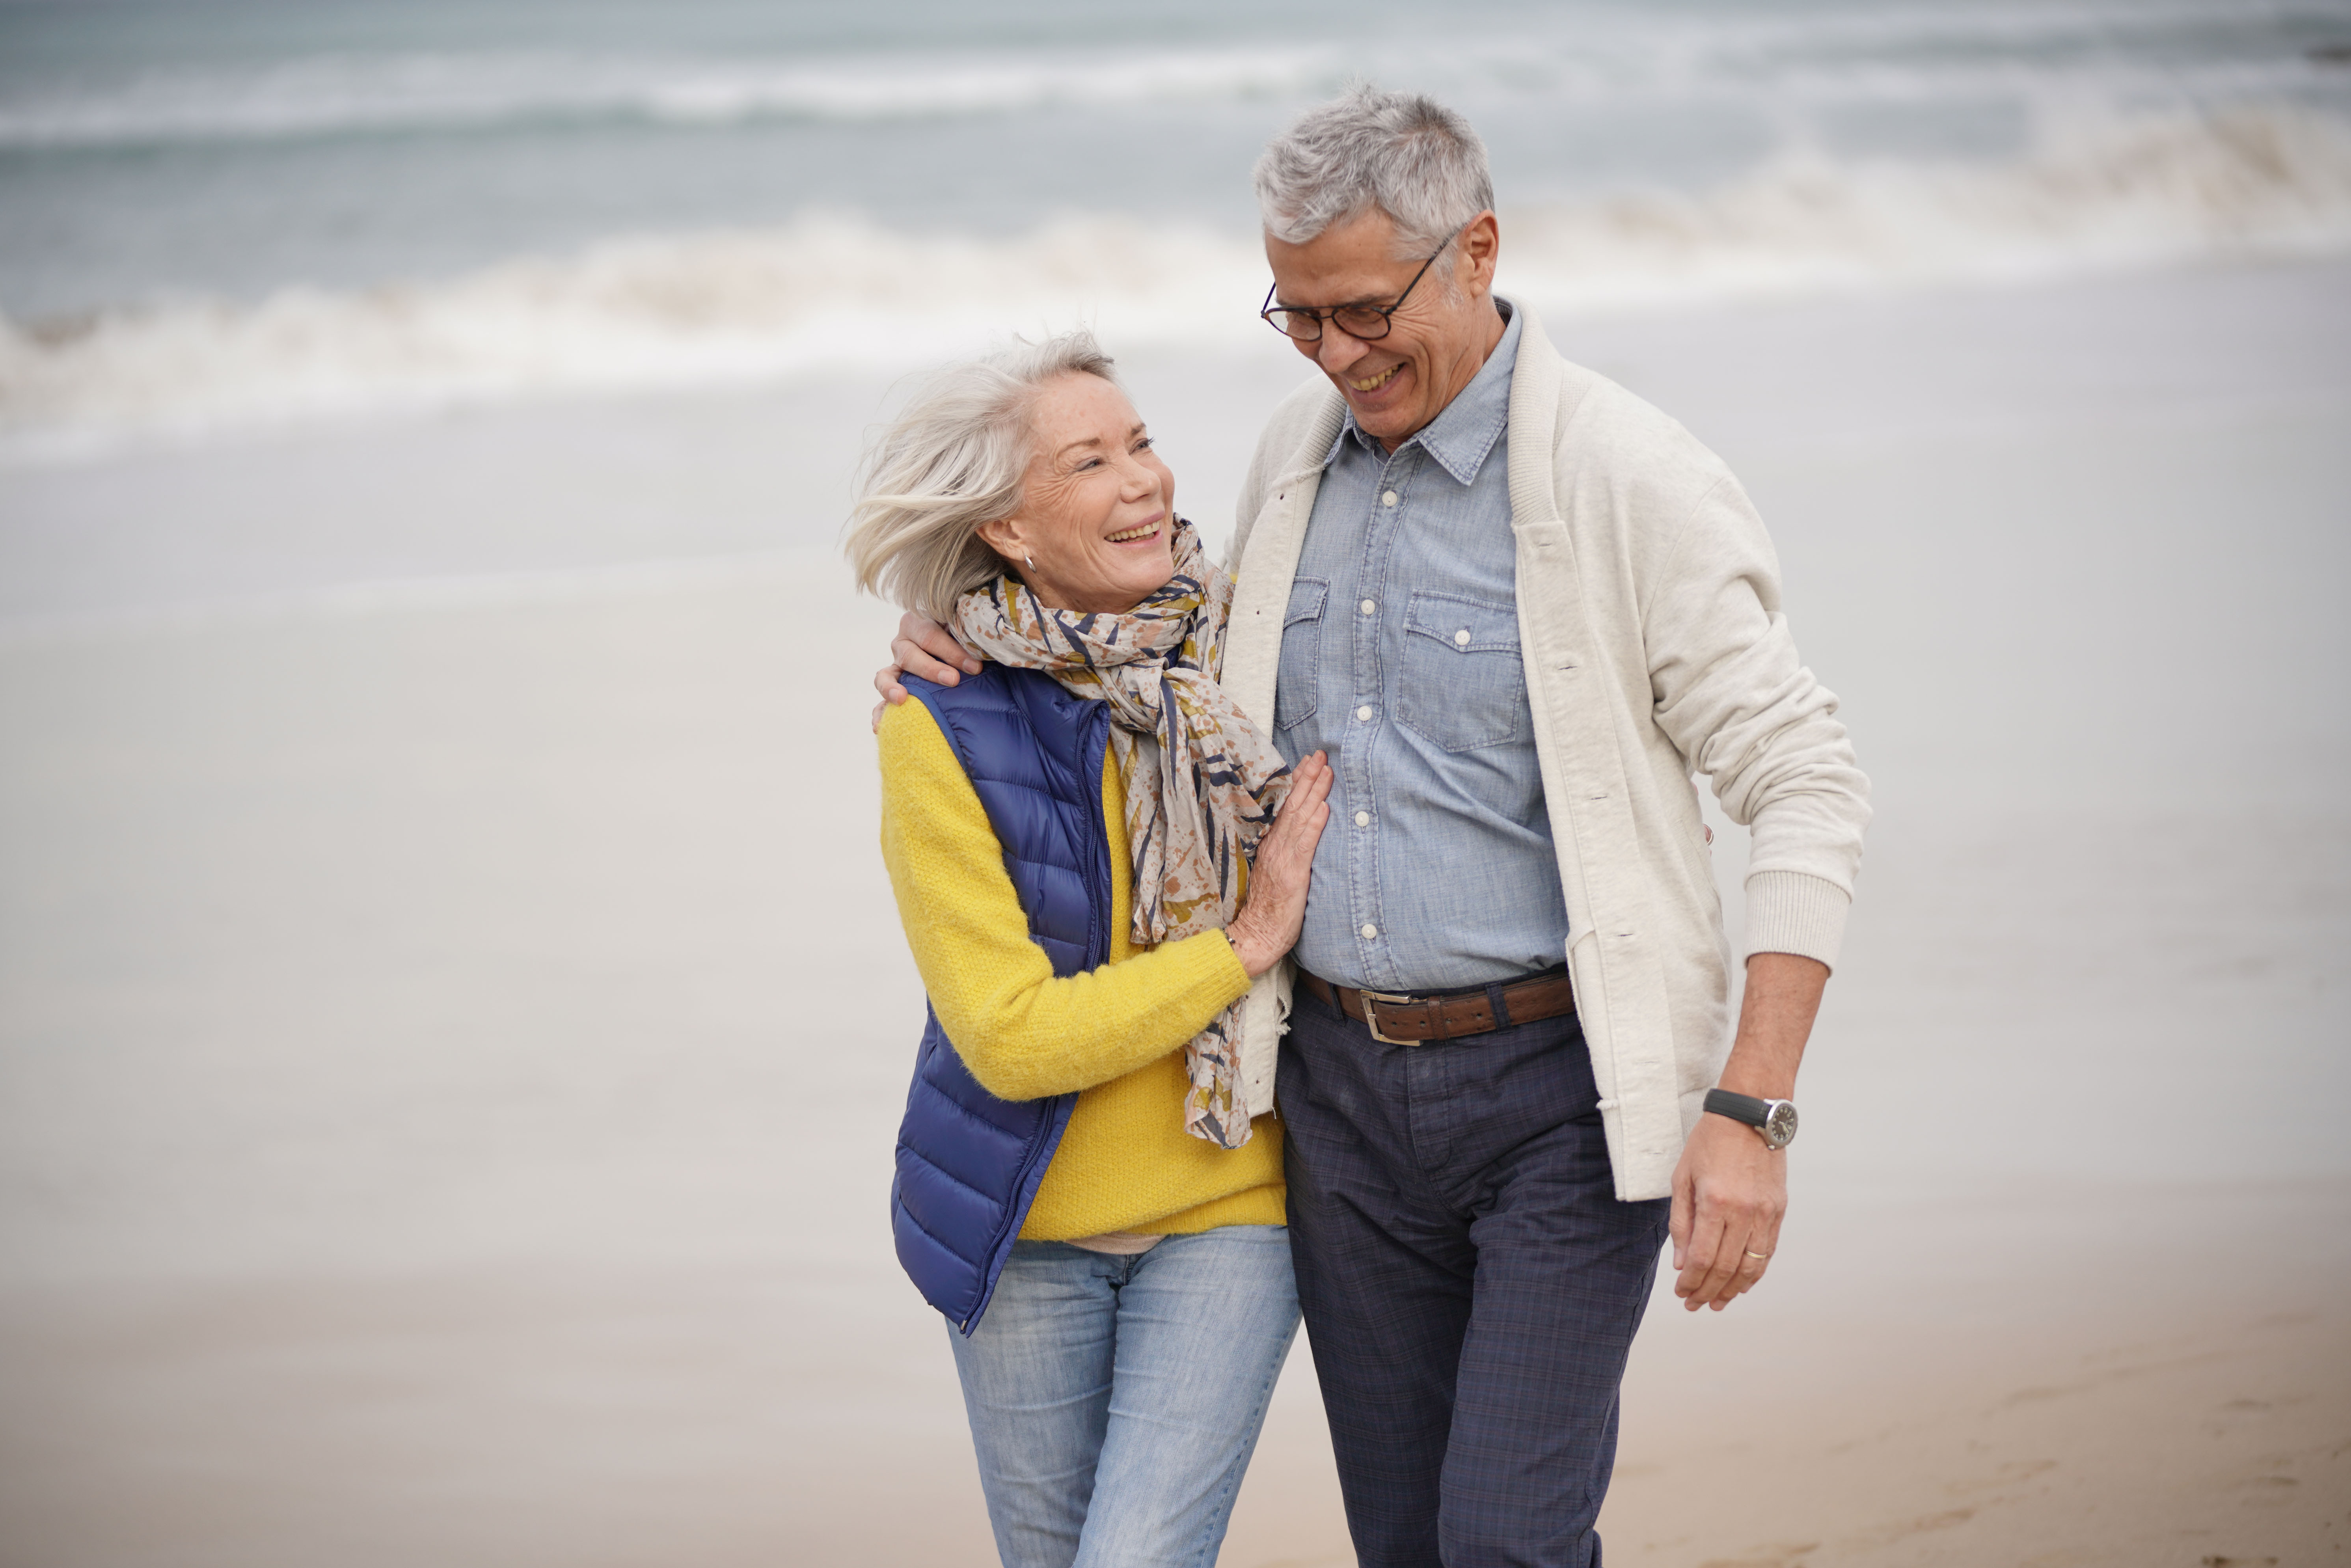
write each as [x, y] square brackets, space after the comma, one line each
[1460, 437]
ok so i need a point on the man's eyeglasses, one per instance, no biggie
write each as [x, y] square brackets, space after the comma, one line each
[1303, 323]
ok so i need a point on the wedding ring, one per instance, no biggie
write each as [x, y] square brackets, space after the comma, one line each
[1759, 1254]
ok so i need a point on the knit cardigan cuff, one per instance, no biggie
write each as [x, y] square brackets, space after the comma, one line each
[1790, 912]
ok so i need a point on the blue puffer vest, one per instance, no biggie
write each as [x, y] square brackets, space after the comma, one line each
[969, 1162]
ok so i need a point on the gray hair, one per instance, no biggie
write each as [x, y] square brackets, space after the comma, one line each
[955, 457]
[1402, 153]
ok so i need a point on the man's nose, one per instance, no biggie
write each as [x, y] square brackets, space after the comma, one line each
[1335, 350]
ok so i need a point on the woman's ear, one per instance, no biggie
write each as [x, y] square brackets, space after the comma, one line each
[1006, 538]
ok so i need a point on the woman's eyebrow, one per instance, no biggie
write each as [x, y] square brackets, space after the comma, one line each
[1132, 431]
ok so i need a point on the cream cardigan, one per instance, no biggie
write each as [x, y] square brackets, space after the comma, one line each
[1655, 648]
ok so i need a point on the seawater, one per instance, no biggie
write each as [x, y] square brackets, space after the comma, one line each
[224, 209]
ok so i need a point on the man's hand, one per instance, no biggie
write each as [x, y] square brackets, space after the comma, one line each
[1729, 1191]
[923, 648]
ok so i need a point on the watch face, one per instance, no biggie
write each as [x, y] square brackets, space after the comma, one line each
[1780, 1125]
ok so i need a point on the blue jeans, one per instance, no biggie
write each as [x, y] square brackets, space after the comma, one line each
[1115, 1402]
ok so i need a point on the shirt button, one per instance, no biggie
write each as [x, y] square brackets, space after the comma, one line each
[1362, 819]
[1370, 605]
[1364, 711]
[1389, 499]
[1370, 932]
[1461, 638]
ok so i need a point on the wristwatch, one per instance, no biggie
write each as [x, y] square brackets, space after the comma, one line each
[1775, 1121]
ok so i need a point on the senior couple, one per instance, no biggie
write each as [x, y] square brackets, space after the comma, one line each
[1484, 617]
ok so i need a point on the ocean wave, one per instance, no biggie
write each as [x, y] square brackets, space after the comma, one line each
[2097, 196]
[422, 93]
[717, 308]
[2138, 51]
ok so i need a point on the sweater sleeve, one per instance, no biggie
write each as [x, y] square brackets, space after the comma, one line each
[1024, 1032]
[1744, 710]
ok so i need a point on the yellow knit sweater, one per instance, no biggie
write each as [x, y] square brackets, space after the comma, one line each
[1115, 1034]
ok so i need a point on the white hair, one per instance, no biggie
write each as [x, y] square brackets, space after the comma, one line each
[1404, 154]
[955, 457]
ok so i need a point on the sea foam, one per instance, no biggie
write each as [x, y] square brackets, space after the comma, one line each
[416, 94]
[714, 309]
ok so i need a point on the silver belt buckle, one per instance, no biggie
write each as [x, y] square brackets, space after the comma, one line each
[1372, 1014]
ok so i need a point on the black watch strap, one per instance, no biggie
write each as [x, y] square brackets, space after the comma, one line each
[1738, 1107]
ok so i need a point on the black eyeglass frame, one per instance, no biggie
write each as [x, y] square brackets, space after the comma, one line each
[1319, 314]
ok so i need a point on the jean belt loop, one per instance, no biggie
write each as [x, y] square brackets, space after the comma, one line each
[1501, 1008]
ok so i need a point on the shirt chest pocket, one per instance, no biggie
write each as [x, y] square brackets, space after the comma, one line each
[1295, 684]
[1461, 684]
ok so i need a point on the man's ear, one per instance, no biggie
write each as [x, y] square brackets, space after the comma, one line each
[1481, 247]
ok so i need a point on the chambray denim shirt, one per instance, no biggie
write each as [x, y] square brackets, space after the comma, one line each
[1400, 659]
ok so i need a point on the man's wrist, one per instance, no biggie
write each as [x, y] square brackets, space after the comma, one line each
[1758, 1085]
[1773, 1120]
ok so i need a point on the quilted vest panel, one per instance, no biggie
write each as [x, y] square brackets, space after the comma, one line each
[969, 1164]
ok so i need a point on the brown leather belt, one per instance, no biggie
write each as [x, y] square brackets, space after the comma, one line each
[1413, 1021]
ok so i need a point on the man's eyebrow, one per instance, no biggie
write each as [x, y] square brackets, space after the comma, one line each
[1371, 300]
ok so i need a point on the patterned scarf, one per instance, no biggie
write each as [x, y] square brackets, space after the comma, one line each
[1202, 783]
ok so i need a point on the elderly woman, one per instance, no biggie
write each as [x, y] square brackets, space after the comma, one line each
[1095, 855]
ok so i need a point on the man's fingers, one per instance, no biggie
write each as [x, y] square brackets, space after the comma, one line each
[1716, 1269]
[916, 660]
[1698, 1255]
[1742, 1250]
[1740, 1229]
[935, 643]
[1766, 1240]
[1677, 1220]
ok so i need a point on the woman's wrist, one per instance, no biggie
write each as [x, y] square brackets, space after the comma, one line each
[1256, 955]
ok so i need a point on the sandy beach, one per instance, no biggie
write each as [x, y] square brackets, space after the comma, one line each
[453, 1020]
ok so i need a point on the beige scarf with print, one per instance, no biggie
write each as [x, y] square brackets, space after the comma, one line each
[1202, 782]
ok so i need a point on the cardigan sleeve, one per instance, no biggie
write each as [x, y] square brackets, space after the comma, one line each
[1024, 1032]
[1744, 709]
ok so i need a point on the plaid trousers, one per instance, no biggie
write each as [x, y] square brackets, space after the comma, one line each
[1469, 1282]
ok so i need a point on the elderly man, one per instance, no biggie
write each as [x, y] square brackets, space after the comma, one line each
[1519, 609]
